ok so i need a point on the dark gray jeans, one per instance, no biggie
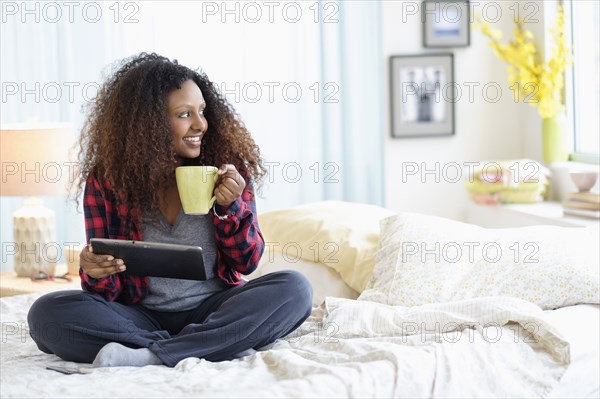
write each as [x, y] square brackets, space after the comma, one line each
[75, 325]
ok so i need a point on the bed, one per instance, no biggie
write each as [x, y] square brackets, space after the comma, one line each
[387, 320]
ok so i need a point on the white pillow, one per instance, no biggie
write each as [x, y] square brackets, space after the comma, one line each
[324, 280]
[427, 259]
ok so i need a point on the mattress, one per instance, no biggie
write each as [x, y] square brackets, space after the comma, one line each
[346, 348]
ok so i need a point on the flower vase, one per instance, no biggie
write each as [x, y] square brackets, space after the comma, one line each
[553, 138]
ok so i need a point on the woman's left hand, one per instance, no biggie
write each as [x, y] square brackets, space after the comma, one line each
[229, 186]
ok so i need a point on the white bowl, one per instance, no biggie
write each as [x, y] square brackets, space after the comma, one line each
[584, 181]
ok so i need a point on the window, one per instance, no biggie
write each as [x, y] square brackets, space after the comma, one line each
[583, 92]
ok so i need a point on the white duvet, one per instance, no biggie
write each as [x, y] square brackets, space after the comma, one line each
[484, 347]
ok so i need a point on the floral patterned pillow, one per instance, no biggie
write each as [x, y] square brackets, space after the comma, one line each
[427, 259]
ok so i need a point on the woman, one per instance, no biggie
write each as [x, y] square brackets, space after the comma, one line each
[149, 117]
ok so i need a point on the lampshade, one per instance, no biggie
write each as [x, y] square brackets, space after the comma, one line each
[35, 162]
[35, 159]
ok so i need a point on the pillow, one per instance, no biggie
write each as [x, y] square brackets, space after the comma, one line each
[427, 259]
[341, 235]
[324, 281]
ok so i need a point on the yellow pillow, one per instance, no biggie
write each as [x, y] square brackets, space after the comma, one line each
[340, 235]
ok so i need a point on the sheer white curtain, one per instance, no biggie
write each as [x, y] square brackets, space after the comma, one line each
[305, 77]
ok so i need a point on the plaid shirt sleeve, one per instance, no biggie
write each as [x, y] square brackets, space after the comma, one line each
[94, 209]
[103, 220]
[238, 237]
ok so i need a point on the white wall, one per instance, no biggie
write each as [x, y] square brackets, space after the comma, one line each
[483, 130]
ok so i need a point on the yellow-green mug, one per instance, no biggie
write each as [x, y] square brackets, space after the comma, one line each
[196, 186]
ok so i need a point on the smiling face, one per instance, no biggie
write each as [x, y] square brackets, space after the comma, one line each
[186, 118]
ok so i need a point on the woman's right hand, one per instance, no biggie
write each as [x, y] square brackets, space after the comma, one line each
[99, 266]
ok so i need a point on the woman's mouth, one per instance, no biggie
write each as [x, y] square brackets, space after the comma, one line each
[193, 141]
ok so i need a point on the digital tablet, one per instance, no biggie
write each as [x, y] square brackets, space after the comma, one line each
[154, 259]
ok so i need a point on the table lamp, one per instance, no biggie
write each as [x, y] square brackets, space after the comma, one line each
[34, 160]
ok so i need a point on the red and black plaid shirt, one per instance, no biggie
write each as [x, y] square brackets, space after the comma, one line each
[239, 240]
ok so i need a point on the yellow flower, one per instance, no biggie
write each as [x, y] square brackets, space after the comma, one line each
[537, 83]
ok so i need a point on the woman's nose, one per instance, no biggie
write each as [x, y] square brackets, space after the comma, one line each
[199, 123]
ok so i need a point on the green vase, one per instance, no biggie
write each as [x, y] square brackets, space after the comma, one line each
[553, 138]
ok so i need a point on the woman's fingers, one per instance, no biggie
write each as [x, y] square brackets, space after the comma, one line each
[230, 185]
[104, 268]
[98, 265]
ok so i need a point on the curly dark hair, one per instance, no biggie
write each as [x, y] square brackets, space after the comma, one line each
[131, 108]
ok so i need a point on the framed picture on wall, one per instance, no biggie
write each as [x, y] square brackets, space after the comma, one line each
[422, 95]
[446, 23]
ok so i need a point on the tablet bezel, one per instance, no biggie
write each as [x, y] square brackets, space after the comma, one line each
[154, 259]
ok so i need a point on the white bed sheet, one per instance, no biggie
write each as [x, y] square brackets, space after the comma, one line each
[580, 325]
[312, 364]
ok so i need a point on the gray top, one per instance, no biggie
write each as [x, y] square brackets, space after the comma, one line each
[175, 295]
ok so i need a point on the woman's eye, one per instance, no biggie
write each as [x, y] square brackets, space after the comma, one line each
[187, 114]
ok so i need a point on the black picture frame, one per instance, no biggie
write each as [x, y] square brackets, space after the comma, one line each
[446, 23]
[422, 95]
